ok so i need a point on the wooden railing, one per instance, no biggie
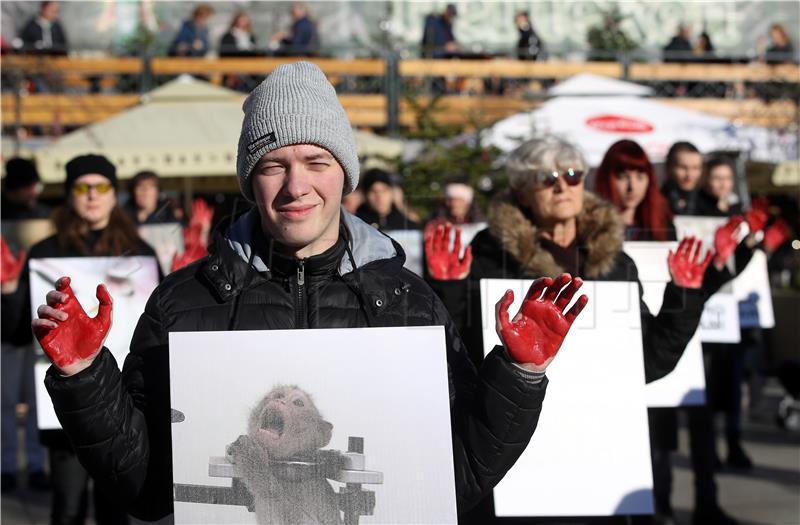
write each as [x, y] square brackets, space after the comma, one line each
[372, 110]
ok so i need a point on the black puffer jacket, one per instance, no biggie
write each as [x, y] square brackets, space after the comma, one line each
[511, 248]
[120, 424]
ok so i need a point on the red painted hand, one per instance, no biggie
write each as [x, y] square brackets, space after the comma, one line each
[10, 266]
[756, 219]
[443, 264]
[685, 266]
[535, 335]
[69, 337]
[725, 240]
[192, 253]
[776, 235]
[199, 224]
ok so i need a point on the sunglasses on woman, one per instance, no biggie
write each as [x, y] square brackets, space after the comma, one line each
[547, 179]
[83, 188]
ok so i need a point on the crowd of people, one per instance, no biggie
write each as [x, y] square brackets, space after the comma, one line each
[546, 225]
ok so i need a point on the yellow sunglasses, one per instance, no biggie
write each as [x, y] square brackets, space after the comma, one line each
[83, 188]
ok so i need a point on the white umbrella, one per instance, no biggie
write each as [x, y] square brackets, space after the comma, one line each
[595, 123]
[586, 84]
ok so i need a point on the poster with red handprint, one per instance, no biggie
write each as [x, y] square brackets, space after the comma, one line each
[592, 439]
[130, 281]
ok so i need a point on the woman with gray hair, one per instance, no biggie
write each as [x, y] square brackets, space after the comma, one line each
[546, 224]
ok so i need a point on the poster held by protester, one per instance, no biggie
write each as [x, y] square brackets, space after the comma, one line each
[592, 439]
[411, 242]
[167, 241]
[24, 234]
[130, 281]
[720, 321]
[300, 413]
[686, 384]
[751, 288]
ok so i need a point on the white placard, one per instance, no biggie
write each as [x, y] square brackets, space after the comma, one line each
[590, 455]
[720, 321]
[130, 281]
[686, 385]
[411, 242]
[468, 232]
[167, 241]
[751, 288]
[359, 380]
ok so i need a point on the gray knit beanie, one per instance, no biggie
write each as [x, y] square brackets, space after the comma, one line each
[295, 105]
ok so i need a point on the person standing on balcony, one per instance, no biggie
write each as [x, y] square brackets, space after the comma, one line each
[302, 39]
[43, 34]
[192, 38]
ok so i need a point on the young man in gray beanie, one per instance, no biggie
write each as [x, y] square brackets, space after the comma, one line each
[295, 260]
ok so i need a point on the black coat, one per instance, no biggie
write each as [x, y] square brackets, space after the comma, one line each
[512, 249]
[359, 282]
[32, 36]
[396, 220]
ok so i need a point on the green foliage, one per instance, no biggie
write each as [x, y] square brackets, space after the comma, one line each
[608, 36]
[424, 177]
[426, 126]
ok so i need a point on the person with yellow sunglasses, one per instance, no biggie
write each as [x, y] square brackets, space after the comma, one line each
[90, 224]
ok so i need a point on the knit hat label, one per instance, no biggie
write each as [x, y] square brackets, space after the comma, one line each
[262, 141]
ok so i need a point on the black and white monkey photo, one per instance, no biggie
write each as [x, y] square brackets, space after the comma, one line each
[280, 462]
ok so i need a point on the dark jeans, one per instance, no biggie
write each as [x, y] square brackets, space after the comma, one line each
[18, 387]
[70, 493]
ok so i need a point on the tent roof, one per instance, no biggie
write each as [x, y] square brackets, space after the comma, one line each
[586, 84]
[187, 127]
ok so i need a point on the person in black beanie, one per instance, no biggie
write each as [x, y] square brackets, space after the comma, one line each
[90, 224]
[21, 190]
[380, 210]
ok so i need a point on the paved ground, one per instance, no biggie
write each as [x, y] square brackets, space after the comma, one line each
[768, 495]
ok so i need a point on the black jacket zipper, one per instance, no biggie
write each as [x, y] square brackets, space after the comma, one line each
[300, 320]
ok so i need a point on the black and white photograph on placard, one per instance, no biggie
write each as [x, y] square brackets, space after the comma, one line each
[130, 281]
[311, 426]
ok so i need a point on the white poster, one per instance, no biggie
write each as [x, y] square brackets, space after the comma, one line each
[686, 385]
[130, 281]
[295, 407]
[167, 241]
[720, 321]
[590, 455]
[411, 242]
[751, 288]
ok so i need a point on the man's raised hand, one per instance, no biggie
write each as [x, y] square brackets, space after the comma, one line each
[685, 266]
[726, 240]
[534, 336]
[444, 264]
[69, 337]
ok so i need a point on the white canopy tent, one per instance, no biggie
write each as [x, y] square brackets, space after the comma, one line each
[589, 84]
[185, 128]
[595, 122]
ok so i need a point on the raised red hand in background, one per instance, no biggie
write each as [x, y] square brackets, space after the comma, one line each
[443, 264]
[195, 236]
[725, 240]
[756, 219]
[777, 234]
[199, 224]
[10, 266]
[69, 337]
[535, 335]
[190, 254]
[685, 266]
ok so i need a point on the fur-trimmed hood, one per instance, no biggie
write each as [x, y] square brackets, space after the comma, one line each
[600, 235]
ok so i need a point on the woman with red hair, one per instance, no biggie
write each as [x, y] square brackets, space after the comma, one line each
[626, 178]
